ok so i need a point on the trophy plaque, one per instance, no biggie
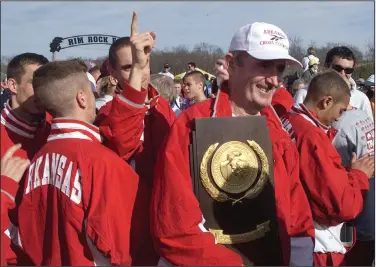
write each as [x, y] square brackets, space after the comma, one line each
[232, 175]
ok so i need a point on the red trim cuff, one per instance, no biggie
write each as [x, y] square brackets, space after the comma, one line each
[9, 185]
[133, 95]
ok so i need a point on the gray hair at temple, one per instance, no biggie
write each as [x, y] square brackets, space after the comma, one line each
[164, 85]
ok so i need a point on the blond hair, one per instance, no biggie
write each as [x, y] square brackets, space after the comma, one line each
[105, 87]
[164, 85]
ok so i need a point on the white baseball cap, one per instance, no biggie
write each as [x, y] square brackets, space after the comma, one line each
[371, 78]
[370, 81]
[263, 41]
[92, 82]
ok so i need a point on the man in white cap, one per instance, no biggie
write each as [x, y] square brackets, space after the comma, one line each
[166, 71]
[369, 86]
[257, 57]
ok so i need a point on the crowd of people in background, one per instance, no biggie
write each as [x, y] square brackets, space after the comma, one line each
[95, 166]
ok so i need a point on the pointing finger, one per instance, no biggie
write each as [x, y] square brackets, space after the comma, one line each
[153, 35]
[134, 24]
[9, 153]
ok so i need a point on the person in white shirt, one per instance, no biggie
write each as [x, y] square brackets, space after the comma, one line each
[342, 60]
[310, 54]
[297, 85]
[166, 71]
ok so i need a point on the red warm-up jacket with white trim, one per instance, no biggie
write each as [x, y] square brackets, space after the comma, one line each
[32, 136]
[176, 219]
[335, 194]
[135, 131]
[77, 200]
[9, 189]
[282, 101]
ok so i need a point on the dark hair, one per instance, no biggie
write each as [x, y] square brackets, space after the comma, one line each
[16, 67]
[114, 48]
[94, 69]
[192, 64]
[214, 88]
[339, 51]
[311, 51]
[56, 83]
[197, 76]
[370, 94]
[327, 83]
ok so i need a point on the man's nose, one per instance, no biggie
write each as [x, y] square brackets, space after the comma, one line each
[274, 81]
[342, 72]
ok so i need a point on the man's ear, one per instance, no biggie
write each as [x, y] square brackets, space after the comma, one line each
[202, 85]
[327, 102]
[12, 85]
[229, 61]
[81, 99]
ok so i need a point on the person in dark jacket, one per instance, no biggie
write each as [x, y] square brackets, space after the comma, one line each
[312, 70]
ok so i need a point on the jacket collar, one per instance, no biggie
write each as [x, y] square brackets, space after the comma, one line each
[16, 124]
[73, 129]
[221, 106]
[302, 110]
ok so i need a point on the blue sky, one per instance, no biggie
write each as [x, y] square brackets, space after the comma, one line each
[30, 26]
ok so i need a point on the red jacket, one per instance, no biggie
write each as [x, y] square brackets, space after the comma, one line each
[335, 195]
[176, 219]
[32, 137]
[77, 200]
[9, 188]
[135, 132]
[282, 101]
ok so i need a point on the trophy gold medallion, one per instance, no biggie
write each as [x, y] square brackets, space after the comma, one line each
[236, 168]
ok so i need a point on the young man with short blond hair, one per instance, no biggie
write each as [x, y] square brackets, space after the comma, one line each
[82, 204]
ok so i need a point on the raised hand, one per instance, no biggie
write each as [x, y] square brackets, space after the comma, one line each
[142, 44]
[13, 167]
[221, 71]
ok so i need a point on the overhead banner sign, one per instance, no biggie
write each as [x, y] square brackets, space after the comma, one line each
[59, 43]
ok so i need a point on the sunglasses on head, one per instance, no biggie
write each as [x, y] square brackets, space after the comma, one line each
[339, 68]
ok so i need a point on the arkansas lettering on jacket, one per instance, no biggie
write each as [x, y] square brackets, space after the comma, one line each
[78, 200]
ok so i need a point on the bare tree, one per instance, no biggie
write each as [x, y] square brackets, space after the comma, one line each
[4, 63]
[312, 44]
[296, 49]
[203, 54]
[370, 51]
